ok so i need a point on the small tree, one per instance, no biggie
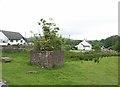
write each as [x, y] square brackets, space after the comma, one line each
[50, 40]
[97, 48]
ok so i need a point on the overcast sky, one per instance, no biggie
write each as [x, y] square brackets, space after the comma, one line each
[90, 19]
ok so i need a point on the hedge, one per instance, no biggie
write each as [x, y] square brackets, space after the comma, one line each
[89, 55]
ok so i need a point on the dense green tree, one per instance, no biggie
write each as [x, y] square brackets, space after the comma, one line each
[70, 43]
[97, 47]
[112, 42]
[96, 44]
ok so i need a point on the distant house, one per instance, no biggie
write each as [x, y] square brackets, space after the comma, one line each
[102, 48]
[84, 45]
[11, 38]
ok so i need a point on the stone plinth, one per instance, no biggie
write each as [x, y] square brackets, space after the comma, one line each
[47, 59]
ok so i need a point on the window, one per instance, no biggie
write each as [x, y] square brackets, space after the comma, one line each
[8, 43]
[21, 41]
[3, 41]
[11, 40]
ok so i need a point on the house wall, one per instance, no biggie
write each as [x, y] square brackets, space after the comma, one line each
[88, 48]
[15, 42]
[80, 47]
[3, 39]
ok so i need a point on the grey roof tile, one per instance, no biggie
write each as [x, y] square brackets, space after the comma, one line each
[12, 35]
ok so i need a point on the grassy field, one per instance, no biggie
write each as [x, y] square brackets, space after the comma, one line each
[72, 73]
[0, 70]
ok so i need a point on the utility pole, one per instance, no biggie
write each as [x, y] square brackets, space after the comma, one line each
[69, 37]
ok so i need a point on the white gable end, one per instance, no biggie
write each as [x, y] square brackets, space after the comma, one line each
[84, 46]
[85, 43]
[3, 39]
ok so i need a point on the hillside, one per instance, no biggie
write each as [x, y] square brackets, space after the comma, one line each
[110, 43]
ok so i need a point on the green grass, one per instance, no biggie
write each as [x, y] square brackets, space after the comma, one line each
[72, 73]
[0, 70]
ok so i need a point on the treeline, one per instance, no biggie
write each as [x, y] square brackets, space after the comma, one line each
[111, 42]
[69, 44]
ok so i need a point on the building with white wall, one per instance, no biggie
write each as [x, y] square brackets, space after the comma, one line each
[84, 45]
[11, 38]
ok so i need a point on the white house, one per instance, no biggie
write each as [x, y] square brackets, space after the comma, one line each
[84, 45]
[11, 38]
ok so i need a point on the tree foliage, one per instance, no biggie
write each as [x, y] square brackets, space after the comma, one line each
[50, 40]
[111, 42]
[96, 44]
[70, 43]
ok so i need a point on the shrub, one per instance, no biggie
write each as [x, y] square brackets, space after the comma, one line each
[50, 40]
[89, 55]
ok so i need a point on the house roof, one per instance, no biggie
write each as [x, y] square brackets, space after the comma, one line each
[85, 43]
[12, 35]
